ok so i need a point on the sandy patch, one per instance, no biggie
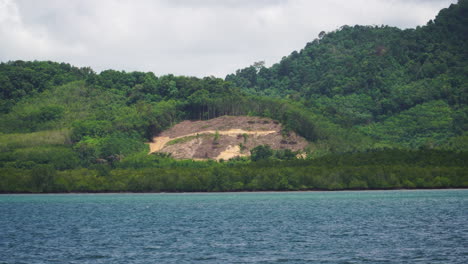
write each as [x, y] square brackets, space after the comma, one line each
[158, 143]
[230, 152]
[235, 132]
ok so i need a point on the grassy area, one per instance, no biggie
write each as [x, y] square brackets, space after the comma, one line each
[26, 140]
[187, 139]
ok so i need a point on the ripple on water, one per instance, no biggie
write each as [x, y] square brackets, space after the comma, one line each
[316, 227]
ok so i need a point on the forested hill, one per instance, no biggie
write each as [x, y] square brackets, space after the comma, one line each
[380, 79]
[379, 107]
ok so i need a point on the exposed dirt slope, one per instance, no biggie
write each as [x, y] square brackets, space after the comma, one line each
[224, 138]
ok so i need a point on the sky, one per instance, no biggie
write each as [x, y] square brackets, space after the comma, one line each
[186, 37]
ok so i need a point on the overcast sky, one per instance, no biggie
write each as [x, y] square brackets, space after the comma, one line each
[183, 37]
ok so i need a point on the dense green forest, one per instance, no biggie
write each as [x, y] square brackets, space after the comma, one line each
[402, 87]
[381, 107]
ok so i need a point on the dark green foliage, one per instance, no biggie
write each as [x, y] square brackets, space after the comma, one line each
[363, 74]
[19, 78]
[60, 157]
[42, 178]
[109, 148]
[90, 128]
[261, 152]
[387, 169]
[381, 107]
[285, 154]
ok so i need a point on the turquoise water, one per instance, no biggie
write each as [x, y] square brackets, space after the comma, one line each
[429, 226]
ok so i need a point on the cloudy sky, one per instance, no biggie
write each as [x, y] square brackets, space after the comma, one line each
[186, 37]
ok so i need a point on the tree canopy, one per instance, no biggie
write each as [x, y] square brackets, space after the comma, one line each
[356, 92]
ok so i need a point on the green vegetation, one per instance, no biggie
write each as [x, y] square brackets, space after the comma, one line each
[216, 138]
[184, 139]
[261, 152]
[381, 107]
[21, 140]
[384, 81]
[148, 173]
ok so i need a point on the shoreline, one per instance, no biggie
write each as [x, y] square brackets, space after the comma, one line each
[270, 191]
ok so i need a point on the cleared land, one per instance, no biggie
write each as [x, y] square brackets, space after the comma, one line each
[224, 138]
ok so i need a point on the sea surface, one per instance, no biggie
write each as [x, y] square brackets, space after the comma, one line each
[423, 226]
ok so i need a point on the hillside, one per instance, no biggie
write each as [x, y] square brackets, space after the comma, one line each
[377, 78]
[360, 92]
[224, 138]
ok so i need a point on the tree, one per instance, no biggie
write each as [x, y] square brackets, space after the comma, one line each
[259, 65]
[216, 138]
[321, 34]
[43, 177]
[261, 152]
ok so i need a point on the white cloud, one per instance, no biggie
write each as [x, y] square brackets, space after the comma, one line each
[199, 37]
[21, 40]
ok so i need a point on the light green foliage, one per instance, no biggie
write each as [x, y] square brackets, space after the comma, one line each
[363, 75]
[348, 109]
[428, 123]
[216, 137]
[246, 137]
[187, 139]
[22, 140]
[458, 143]
[181, 140]
[358, 91]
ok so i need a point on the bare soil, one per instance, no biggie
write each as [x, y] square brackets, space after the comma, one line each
[237, 135]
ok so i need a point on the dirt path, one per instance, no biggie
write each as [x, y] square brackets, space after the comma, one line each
[159, 142]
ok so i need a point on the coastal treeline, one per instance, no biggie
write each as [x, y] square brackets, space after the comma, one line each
[355, 94]
[389, 169]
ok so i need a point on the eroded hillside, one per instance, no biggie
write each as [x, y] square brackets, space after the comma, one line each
[224, 138]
